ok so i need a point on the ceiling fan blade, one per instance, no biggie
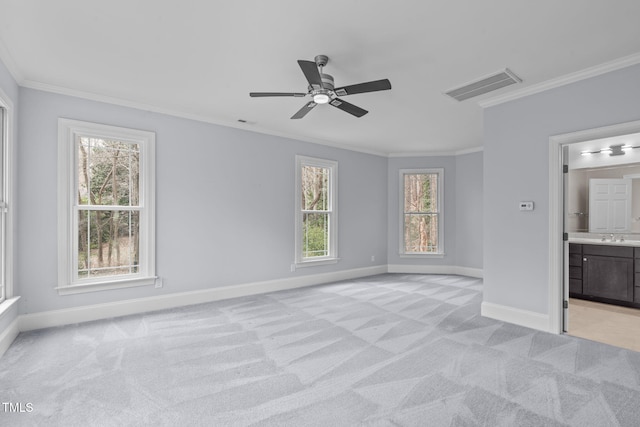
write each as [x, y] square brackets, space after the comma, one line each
[373, 86]
[349, 108]
[261, 94]
[304, 110]
[310, 70]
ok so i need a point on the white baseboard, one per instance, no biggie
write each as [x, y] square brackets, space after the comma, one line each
[47, 319]
[435, 269]
[88, 313]
[8, 335]
[529, 319]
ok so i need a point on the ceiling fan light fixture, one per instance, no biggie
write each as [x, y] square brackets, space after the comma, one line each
[322, 90]
[321, 98]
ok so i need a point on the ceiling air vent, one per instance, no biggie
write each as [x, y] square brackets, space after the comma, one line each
[487, 84]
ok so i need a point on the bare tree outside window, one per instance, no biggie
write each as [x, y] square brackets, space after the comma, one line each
[315, 212]
[316, 219]
[108, 207]
[421, 213]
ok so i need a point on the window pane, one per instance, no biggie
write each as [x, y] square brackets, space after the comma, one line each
[108, 243]
[83, 171]
[421, 192]
[421, 233]
[315, 181]
[108, 172]
[315, 235]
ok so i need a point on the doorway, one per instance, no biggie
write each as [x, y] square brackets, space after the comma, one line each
[574, 160]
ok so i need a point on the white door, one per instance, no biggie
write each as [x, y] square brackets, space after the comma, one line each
[609, 205]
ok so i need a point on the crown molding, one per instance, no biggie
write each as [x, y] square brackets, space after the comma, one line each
[437, 153]
[597, 70]
[176, 113]
[469, 151]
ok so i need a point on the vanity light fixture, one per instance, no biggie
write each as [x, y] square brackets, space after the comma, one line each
[616, 150]
[612, 150]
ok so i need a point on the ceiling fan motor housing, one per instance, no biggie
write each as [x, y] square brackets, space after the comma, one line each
[321, 60]
[327, 81]
[327, 85]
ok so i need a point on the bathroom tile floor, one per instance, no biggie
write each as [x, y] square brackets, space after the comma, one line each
[606, 323]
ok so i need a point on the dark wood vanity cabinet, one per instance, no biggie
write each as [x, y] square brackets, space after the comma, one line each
[605, 273]
[575, 270]
[636, 260]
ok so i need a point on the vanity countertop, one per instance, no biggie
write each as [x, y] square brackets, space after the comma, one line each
[594, 241]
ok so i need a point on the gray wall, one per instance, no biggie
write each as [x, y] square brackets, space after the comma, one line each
[221, 191]
[225, 203]
[11, 90]
[516, 168]
[462, 209]
[469, 219]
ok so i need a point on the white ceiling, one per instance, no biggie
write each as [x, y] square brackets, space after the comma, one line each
[201, 58]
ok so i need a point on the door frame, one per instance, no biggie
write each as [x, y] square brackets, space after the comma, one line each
[556, 211]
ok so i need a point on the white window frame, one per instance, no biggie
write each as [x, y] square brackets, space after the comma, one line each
[440, 213]
[6, 214]
[332, 257]
[69, 132]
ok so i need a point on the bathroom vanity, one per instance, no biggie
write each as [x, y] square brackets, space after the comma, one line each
[607, 271]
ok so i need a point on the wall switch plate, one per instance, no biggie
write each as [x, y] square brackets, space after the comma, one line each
[158, 282]
[526, 206]
[293, 268]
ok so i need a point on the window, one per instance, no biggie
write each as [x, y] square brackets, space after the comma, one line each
[4, 138]
[316, 218]
[421, 212]
[106, 207]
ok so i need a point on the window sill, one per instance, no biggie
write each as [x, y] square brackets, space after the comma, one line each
[431, 255]
[7, 304]
[105, 286]
[314, 263]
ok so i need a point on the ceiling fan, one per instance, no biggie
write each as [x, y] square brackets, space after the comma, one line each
[321, 88]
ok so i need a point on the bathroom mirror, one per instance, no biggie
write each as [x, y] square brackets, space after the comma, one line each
[604, 199]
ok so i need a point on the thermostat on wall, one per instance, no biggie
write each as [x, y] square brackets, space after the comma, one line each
[526, 206]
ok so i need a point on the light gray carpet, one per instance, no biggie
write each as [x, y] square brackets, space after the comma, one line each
[389, 350]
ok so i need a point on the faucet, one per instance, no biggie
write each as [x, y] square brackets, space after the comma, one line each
[613, 237]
